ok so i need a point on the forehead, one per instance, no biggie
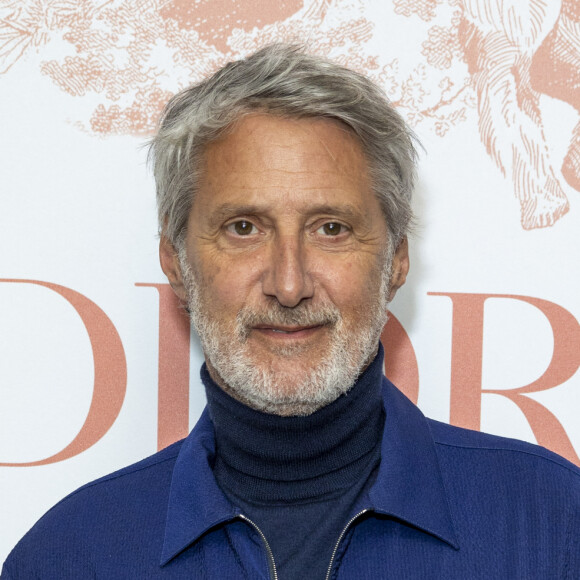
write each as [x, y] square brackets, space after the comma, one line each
[271, 136]
[269, 158]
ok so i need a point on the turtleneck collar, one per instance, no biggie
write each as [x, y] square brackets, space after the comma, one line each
[265, 457]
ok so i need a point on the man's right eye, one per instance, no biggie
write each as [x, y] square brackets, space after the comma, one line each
[242, 228]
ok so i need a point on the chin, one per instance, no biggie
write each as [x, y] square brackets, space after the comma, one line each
[280, 388]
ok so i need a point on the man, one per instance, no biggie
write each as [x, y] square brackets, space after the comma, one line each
[284, 186]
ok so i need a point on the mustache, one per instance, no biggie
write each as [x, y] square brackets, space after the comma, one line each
[274, 314]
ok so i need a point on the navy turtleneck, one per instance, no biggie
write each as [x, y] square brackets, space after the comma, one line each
[300, 479]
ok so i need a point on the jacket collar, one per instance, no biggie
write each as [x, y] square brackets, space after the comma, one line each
[196, 503]
[409, 485]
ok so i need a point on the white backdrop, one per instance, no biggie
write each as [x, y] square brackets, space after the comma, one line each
[94, 366]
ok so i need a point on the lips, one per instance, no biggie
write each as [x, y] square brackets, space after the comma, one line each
[283, 328]
[275, 322]
[287, 331]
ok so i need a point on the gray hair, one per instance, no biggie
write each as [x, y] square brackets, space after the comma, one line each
[282, 80]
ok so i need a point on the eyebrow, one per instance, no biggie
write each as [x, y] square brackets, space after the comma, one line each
[347, 211]
[227, 210]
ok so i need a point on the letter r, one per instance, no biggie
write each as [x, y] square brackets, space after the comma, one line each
[466, 368]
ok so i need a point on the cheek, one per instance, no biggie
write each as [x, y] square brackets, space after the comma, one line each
[230, 283]
[346, 282]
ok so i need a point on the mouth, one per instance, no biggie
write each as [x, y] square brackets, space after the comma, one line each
[287, 332]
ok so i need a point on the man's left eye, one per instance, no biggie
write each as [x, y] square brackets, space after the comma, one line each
[331, 229]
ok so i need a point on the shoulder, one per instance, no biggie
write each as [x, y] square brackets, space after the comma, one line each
[460, 449]
[141, 472]
[507, 462]
[149, 473]
[120, 486]
[99, 513]
[499, 487]
[478, 442]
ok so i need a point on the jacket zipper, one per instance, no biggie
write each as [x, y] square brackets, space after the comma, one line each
[273, 573]
[340, 540]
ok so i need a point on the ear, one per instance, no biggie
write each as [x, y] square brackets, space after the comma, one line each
[400, 267]
[171, 268]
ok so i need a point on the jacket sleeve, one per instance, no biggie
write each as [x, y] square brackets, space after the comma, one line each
[5, 574]
[572, 564]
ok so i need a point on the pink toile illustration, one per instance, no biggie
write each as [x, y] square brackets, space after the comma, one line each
[495, 56]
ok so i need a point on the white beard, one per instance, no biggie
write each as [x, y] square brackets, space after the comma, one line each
[292, 392]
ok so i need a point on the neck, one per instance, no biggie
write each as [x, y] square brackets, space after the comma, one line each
[265, 457]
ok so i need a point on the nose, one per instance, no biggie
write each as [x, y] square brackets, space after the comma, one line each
[287, 278]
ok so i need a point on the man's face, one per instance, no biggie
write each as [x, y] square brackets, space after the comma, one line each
[286, 264]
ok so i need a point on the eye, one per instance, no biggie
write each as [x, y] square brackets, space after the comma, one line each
[242, 228]
[331, 229]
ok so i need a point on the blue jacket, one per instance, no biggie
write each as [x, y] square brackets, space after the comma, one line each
[447, 504]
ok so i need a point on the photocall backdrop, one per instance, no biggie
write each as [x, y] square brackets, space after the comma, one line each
[97, 366]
